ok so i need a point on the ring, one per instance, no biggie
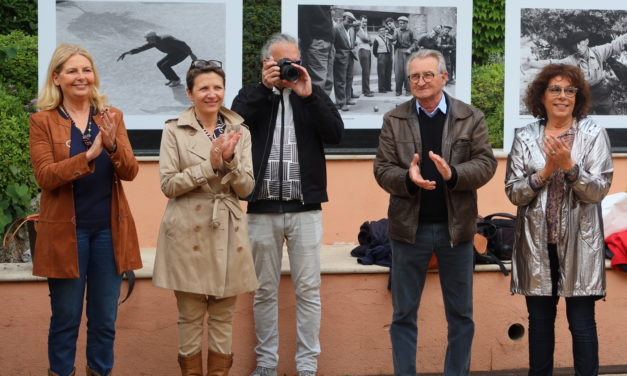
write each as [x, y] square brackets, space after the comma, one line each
[217, 150]
[552, 153]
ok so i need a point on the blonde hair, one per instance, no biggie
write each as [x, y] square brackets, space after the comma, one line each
[51, 96]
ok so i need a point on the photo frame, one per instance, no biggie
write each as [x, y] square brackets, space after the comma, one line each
[530, 44]
[362, 120]
[136, 82]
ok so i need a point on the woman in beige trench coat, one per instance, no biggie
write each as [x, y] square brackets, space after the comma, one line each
[203, 250]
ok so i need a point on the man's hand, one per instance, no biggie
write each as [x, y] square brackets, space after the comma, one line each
[414, 175]
[122, 56]
[270, 73]
[302, 86]
[443, 168]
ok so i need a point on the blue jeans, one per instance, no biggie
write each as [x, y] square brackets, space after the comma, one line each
[98, 273]
[408, 274]
[580, 313]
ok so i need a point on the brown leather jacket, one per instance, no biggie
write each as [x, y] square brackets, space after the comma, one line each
[57, 254]
[465, 146]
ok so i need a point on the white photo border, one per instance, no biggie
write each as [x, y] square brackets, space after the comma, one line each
[289, 24]
[233, 51]
[513, 118]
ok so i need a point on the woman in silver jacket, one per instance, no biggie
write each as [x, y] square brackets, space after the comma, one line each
[558, 171]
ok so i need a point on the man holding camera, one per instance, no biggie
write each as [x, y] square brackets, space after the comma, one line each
[289, 122]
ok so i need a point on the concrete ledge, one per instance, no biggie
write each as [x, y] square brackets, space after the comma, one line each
[334, 258]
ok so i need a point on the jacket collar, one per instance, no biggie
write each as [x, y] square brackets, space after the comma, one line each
[407, 110]
[231, 119]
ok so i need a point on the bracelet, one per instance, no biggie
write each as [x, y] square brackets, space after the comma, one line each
[572, 172]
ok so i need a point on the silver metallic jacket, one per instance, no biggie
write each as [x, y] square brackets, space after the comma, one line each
[580, 246]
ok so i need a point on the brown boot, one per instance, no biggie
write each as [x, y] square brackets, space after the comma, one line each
[50, 373]
[191, 365]
[91, 372]
[219, 364]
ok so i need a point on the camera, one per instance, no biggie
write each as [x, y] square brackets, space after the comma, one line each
[287, 71]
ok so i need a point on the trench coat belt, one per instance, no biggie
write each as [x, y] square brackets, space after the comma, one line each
[227, 200]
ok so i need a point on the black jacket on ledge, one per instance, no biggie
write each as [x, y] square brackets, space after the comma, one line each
[316, 121]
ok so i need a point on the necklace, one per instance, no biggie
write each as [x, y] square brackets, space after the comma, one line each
[87, 135]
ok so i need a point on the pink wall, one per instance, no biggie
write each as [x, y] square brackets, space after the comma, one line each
[354, 197]
[354, 335]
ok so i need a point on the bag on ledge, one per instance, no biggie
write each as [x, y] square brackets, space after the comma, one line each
[499, 233]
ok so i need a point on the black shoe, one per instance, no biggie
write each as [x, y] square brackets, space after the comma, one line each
[354, 96]
[398, 94]
[168, 83]
[369, 95]
[174, 83]
[351, 102]
[344, 108]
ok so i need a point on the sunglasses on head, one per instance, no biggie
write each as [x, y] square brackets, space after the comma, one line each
[205, 63]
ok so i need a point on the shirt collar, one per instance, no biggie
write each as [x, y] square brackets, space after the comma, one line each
[441, 106]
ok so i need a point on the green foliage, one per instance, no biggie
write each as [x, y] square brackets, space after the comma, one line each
[19, 15]
[262, 18]
[20, 70]
[488, 30]
[17, 184]
[487, 95]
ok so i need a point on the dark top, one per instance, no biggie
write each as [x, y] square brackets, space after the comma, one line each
[166, 44]
[314, 22]
[316, 121]
[92, 193]
[432, 203]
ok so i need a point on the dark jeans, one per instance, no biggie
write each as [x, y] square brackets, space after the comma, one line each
[580, 313]
[165, 65]
[408, 274]
[98, 275]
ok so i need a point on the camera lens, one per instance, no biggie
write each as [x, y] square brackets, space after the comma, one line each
[287, 71]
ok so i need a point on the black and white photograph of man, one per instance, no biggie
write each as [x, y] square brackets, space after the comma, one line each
[592, 40]
[176, 51]
[589, 35]
[368, 46]
[144, 48]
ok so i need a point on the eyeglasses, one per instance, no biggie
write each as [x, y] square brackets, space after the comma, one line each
[556, 90]
[205, 63]
[426, 77]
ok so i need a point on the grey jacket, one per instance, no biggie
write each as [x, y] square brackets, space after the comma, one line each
[580, 247]
[465, 146]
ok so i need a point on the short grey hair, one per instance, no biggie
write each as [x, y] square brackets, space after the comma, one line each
[423, 54]
[274, 39]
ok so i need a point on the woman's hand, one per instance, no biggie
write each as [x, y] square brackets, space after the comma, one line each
[229, 143]
[95, 149]
[108, 130]
[558, 153]
[215, 155]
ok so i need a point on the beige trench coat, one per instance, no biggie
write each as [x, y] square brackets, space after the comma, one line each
[203, 244]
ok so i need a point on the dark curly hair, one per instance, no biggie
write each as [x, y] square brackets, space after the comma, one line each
[536, 89]
[194, 72]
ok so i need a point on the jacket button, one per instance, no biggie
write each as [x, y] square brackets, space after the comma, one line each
[236, 228]
[239, 249]
[117, 164]
[198, 207]
[197, 228]
[76, 173]
[195, 248]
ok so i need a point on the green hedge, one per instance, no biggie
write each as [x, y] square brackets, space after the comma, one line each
[17, 184]
[262, 18]
[19, 15]
[20, 71]
[487, 95]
